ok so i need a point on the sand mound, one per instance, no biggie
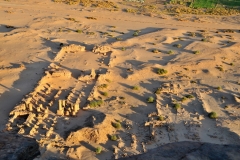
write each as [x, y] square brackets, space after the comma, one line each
[97, 134]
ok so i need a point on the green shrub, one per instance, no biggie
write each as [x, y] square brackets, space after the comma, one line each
[98, 150]
[189, 96]
[161, 71]
[184, 99]
[219, 88]
[177, 106]
[170, 52]
[114, 137]
[105, 94]
[95, 103]
[90, 33]
[155, 51]
[212, 115]
[158, 91]
[177, 45]
[108, 80]
[103, 86]
[135, 88]
[117, 125]
[79, 31]
[150, 99]
[161, 118]
[196, 52]
[123, 49]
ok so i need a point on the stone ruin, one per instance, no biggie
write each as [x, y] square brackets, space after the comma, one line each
[169, 88]
[72, 48]
[67, 110]
[56, 71]
[91, 76]
[101, 49]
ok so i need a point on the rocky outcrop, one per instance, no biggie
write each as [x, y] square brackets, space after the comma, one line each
[17, 147]
[190, 151]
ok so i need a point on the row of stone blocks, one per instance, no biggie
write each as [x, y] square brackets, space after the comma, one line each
[63, 110]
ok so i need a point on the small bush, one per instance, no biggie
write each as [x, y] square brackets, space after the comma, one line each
[117, 125]
[118, 39]
[219, 88]
[136, 33]
[231, 64]
[95, 103]
[155, 51]
[108, 80]
[161, 71]
[90, 33]
[103, 86]
[184, 99]
[161, 118]
[105, 94]
[212, 115]
[98, 150]
[177, 45]
[150, 99]
[113, 137]
[170, 52]
[79, 31]
[196, 52]
[135, 88]
[123, 49]
[189, 96]
[93, 18]
[158, 91]
[177, 106]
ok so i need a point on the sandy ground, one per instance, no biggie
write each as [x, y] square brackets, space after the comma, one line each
[43, 59]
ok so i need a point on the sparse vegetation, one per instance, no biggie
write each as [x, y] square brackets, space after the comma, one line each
[117, 125]
[95, 103]
[177, 106]
[161, 71]
[170, 52]
[135, 88]
[150, 99]
[108, 80]
[196, 52]
[155, 51]
[212, 115]
[90, 33]
[177, 45]
[123, 49]
[98, 150]
[161, 118]
[158, 91]
[136, 33]
[189, 96]
[91, 18]
[79, 31]
[219, 88]
[105, 94]
[103, 86]
[184, 99]
[113, 137]
[118, 39]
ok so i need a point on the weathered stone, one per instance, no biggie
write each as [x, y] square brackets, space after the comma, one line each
[16, 147]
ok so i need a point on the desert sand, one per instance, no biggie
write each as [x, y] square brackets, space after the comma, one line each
[78, 78]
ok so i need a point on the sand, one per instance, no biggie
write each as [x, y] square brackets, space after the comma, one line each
[54, 58]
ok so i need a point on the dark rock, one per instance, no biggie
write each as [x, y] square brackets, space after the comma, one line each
[190, 151]
[17, 147]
